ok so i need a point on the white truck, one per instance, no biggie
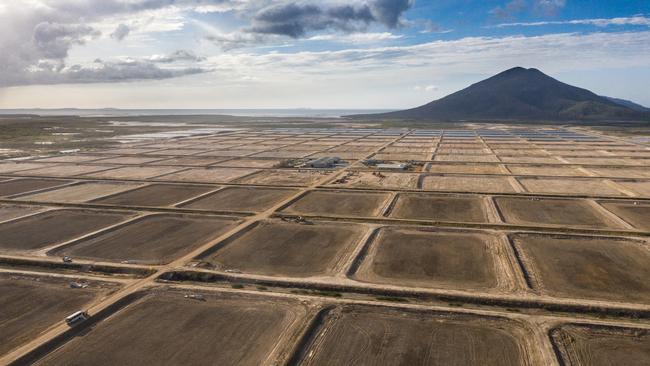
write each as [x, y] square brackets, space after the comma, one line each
[76, 318]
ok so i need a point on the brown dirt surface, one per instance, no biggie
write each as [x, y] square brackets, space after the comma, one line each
[640, 187]
[9, 211]
[286, 177]
[530, 159]
[466, 168]
[175, 152]
[470, 158]
[228, 153]
[153, 239]
[401, 156]
[17, 186]
[72, 158]
[187, 161]
[602, 346]
[638, 215]
[252, 163]
[284, 154]
[558, 171]
[621, 172]
[155, 195]
[80, 192]
[32, 304]
[248, 199]
[337, 203]
[67, 170]
[372, 336]
[386, 180]
[209, 175]
[609, 161]
[440, 208]
[52, 227]
[19, 167]
[347, 155]
[568, 186]
[133, 172]
[128, 160]
[431, 259]
[167, 329]
[467, 184]
[586, 267]
[288, 249]
[565, 212]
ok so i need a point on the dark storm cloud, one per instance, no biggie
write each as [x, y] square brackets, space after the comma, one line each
[296, 19]
[388, 12]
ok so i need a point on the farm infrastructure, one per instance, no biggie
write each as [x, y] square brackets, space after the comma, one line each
[467, 183]
[82, 192]
[54, 226]
[600, 346]
[155, 195]
[244, 330]
[11, 211]
[66, 170]
[586, 266]
[16, 186]
[440, 208]
[31, 304]
[465, 168]
[553, 211]
[251, 199]
[635, 213]
[567, 186]
[153, 239]
[486, 238]
[370, 336]
[287, 249]
[208, 175]
[339, 203]
[285, 177]
[422, 258]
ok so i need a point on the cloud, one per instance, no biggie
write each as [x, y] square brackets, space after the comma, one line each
[53, 40]
[121, 32]
[296, 19]
[636, 20]
[549, 7]
[389, 12]
[177, 56]
[564, 51]
[233, 40]
[514, 8]
[99, 72]
[356, 37]
[425, 88]
[427, 26]
[37, 36]
[509, 10]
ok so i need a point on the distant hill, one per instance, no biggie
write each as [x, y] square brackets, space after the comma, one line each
[521, 94]
[629, 104]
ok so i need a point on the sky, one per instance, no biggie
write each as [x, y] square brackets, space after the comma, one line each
[382, 54]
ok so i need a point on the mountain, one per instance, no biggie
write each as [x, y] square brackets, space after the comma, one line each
[520, 94]
[629, 104]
